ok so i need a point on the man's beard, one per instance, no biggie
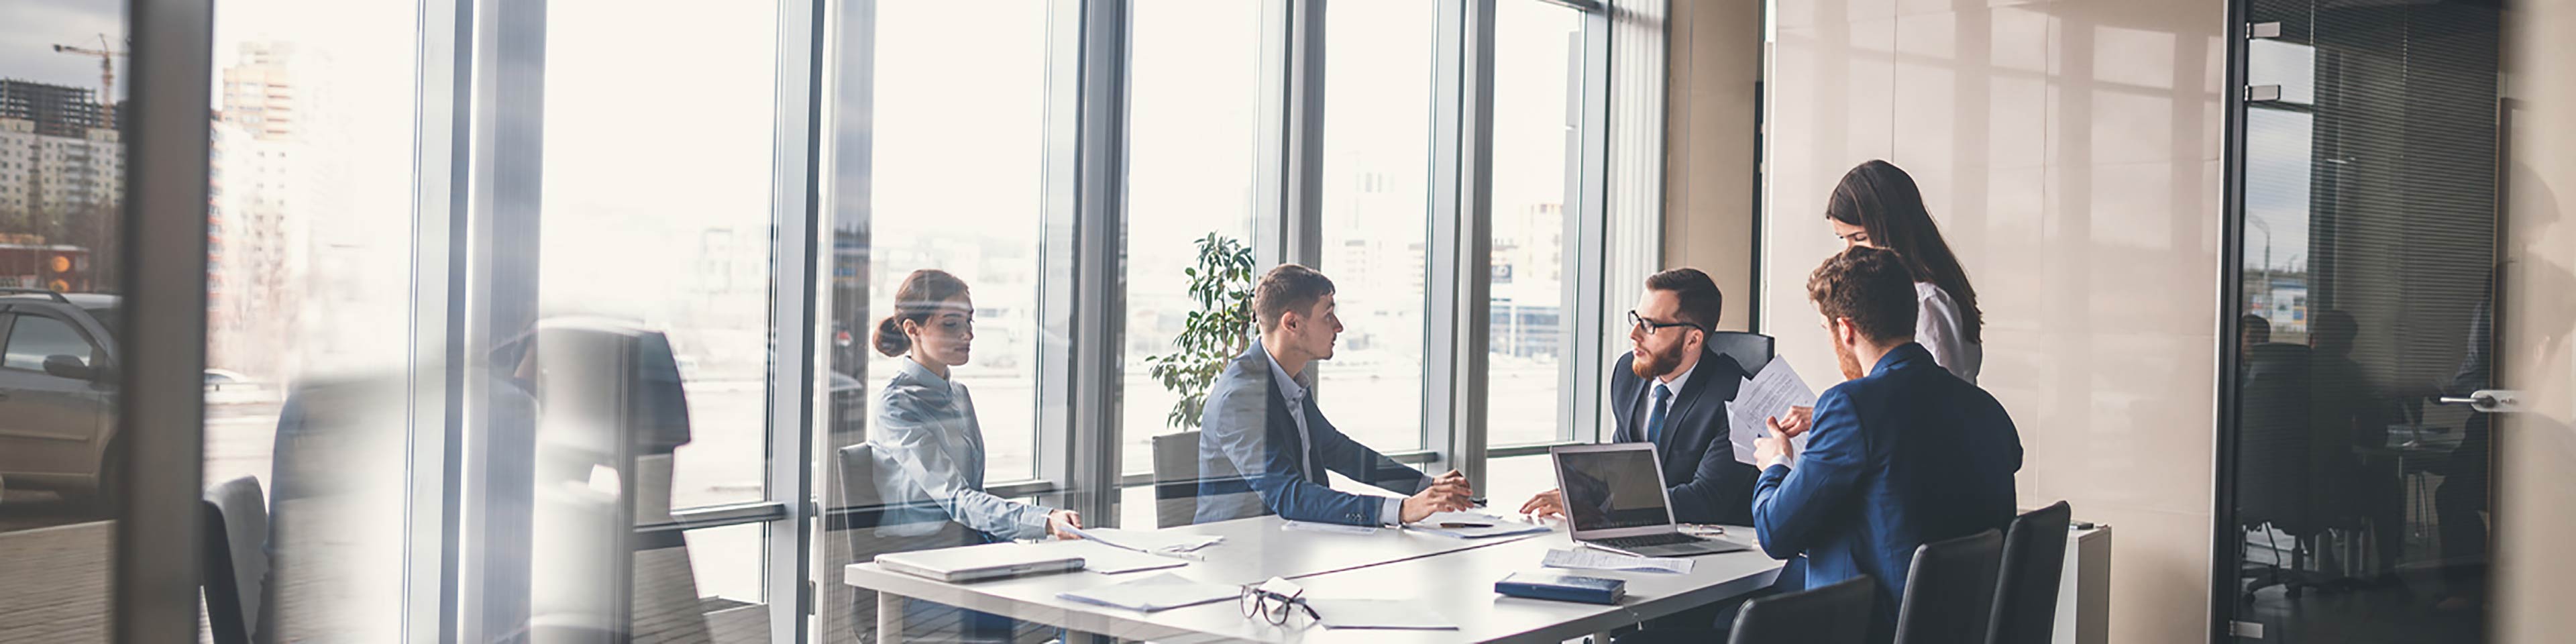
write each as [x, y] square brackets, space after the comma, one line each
[1655, 364]
[1850, 363]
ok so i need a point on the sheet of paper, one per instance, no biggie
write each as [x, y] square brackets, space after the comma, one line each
[1335, 528]
[1111, 560]
[1154, 593]
[1473, 525]
[1589, 559]
[1163, 540]
[1379, 614]
[1767, 394]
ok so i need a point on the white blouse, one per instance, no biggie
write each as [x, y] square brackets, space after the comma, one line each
[1937, 327]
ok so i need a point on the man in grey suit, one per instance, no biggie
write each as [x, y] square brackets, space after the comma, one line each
[1264, 446]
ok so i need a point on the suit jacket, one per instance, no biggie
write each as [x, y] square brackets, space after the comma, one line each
[1252, 461]
[1705, 482]
[1903, 457]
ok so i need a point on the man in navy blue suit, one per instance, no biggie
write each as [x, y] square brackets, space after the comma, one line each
[1266, 448]
[1900, 455]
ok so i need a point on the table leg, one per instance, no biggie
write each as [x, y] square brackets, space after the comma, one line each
[889, 617]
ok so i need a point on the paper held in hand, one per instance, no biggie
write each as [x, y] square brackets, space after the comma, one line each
[1767, 394]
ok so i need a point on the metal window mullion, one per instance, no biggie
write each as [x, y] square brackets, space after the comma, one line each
[1093, 462]
[1288, 223]
[1583, 319]
[443, 95]
[154, 590]
[1460, 280]
[498, 244]
[795, 337]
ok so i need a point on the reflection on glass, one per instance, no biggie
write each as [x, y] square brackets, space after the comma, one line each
[2368, 296]
[939, 161]
[62, 168]
[1376, 219]
[1536, 57]
[1193, 90]
[959, 130]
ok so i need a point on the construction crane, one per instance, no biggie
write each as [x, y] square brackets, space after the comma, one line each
[106, 75]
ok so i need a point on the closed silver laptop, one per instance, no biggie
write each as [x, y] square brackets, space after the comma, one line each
[1615, 500]
[978, 563]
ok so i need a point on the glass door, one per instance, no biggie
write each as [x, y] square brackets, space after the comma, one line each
[2363, 374]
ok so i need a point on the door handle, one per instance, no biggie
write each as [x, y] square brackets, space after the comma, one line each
[2493, 401]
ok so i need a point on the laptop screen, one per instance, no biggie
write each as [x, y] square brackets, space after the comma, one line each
[1607, 490]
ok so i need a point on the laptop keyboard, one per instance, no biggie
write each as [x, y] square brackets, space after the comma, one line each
[1665, 539]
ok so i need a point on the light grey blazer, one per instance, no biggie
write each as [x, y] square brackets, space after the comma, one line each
[926, 425]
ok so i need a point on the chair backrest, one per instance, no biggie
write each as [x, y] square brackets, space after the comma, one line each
[1749, 350]
[1834, 614]
[2034, 559]
[236, 558]
[1950, 590]
[1176, 478]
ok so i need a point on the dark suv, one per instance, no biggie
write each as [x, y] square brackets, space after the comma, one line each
[58, 362]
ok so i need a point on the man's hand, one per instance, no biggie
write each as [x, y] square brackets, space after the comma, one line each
[1062, 523]
[1775, 448]
[1447, 493]
[1799, 421]
[1550, 503]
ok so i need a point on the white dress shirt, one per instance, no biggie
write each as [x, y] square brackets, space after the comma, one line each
[1937, 327]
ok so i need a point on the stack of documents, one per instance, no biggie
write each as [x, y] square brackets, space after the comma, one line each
[1766, 395]
[1379, 614]
[1154, 593]
[1473, 525]
[1589, 559]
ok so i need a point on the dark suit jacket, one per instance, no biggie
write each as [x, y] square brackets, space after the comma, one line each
[1906, 456]
[1252, 462]
[1705, 482]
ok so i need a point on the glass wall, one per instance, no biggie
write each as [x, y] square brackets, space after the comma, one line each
[1538, 57]
[549, 321]
[1376, 218]
[62, 171]
[2357, 505]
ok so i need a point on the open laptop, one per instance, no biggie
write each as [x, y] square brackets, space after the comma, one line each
[1615, 500]
[979, 563]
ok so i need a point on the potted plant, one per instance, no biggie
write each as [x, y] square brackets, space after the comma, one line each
[1220, 328]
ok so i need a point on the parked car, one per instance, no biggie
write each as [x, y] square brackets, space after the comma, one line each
[58, 379]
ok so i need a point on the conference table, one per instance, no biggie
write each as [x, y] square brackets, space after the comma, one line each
[1448, 576]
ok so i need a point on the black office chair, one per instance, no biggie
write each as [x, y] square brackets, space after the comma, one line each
[2034, 561]
[1749, 350]
[1835, 614]
[1950, 590]
[235, 559]
[1176, 479]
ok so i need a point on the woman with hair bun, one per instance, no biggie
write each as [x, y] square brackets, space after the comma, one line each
[927, 422]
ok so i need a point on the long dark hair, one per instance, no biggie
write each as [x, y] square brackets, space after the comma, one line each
[918, 299]
[1882, 200]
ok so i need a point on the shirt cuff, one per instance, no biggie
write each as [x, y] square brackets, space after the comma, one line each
[1035, 525]
[1390, 511]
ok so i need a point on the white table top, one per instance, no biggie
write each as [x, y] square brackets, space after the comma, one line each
[1453, 577]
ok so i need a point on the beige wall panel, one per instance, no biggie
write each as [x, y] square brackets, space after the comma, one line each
[2536, 450]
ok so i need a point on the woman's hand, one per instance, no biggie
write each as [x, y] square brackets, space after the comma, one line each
[1062, 523]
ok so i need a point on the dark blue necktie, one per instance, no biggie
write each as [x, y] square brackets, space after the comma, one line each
[1655, 418]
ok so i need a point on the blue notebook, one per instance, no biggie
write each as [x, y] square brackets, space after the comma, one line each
[1564, 588]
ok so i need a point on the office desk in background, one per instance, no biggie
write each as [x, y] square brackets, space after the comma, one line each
[1453, 577]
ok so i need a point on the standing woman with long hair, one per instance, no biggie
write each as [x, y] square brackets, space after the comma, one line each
[1877, 205]
[928, 422]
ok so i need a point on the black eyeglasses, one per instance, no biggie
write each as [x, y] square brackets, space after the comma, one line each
[1274, 607]
[1650, 326]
